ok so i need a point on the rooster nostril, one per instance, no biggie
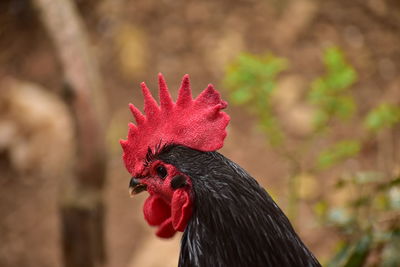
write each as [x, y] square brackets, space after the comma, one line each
[133, 182]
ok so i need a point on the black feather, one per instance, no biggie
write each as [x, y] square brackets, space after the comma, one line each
[235, 222]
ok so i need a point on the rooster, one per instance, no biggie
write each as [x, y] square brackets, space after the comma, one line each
[226, 217]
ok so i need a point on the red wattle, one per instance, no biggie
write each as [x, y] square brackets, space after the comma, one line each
[156, 210]
[168, 218]
[165, 230]
[181, 209]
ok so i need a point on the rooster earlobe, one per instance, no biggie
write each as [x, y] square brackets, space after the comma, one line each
[181, 209]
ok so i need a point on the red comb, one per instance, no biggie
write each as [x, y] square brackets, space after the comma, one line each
[196, 123]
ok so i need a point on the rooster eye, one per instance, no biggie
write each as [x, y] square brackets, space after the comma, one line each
[161, 171]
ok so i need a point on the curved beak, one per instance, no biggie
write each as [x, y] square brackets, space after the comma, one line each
[136, 187]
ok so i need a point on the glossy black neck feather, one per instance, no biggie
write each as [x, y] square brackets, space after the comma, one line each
[235, 222]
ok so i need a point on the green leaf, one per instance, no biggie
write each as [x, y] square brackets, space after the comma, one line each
[341, 79]
[360, 252]
[352, 254]
[333, 58]
[341, 255]
[330, 93]
[241, 96]
[381, 202]
[345, 106]
[251, 79]
[338, 153]
[383, 116]
[321, 208]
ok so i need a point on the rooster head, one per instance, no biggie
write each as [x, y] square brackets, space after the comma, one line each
[195, 123]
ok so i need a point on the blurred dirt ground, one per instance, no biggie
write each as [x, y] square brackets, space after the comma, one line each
[133, 41]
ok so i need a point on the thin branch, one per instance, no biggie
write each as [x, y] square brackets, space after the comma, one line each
[82, 209]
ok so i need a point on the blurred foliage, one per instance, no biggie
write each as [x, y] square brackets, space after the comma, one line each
[330, 93]
[367, 215]
[338, 152]
[252, 80]
[383, 116]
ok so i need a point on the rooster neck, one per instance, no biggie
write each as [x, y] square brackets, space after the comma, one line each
[235, 222]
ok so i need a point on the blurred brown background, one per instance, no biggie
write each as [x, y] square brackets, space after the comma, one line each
[130, 42]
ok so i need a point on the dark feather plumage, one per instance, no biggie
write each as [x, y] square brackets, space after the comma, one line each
[235, 222]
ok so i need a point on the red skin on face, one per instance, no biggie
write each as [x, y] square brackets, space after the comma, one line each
[198, 123]
[169, 209]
